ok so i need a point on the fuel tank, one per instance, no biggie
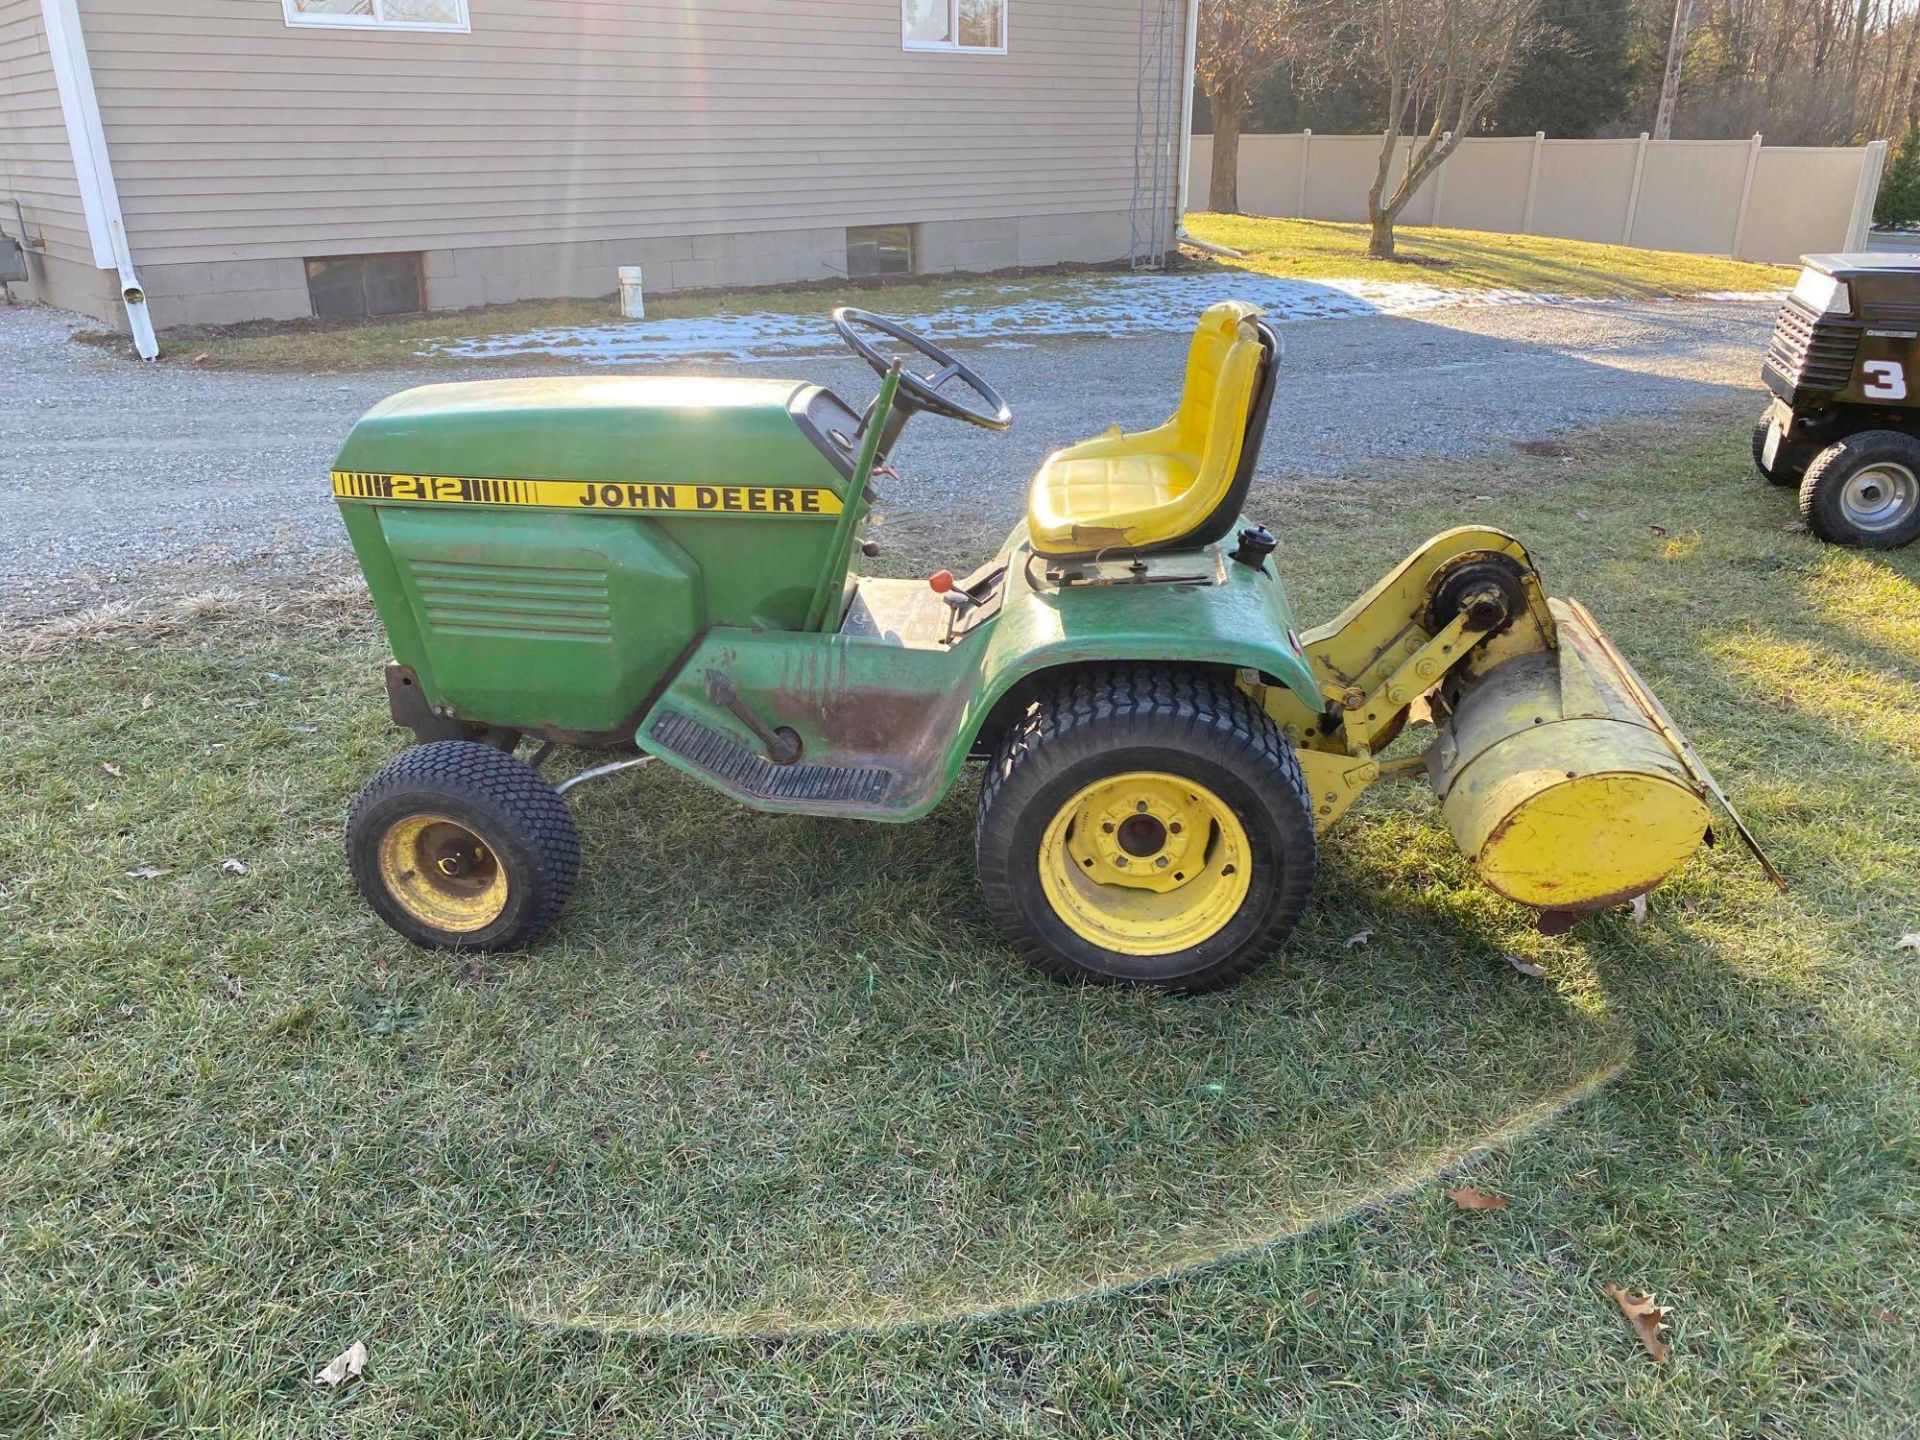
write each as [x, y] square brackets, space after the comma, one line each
[1563, 780]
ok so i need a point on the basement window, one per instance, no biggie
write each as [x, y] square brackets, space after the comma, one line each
[380, 14]
[360, 287]
[879, 250]
[976, 25]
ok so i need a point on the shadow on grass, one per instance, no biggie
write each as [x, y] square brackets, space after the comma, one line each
[863, 1113]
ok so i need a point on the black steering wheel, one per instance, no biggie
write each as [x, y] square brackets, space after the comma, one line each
[922, 392]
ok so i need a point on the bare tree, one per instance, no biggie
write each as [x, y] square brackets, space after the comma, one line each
[1240, 43]
[1446, 61]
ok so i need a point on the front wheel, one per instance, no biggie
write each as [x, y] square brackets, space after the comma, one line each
[1147, 826]
[1865, 490]
[460, 846]
[1789, 463]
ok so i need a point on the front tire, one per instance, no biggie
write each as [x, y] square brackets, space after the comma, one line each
[459, 846]
[1146, 825]
[1787, 466]
[1865, 491]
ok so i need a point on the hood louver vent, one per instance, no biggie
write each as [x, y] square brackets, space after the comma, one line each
[519, 601]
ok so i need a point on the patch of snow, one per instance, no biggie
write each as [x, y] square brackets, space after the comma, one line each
[1771, 297]
[1116, 305]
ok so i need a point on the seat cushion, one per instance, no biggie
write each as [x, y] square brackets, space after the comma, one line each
[1102, 501]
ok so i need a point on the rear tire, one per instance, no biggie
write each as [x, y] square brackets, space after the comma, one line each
[1787, 468]
[459, 846]
[1865, 491]
[1145, 825]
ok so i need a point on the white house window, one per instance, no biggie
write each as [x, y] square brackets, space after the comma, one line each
[380, 14]
[954, 25]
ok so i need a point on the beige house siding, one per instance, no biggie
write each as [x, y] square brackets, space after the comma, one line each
[717, 142]
[36, 169]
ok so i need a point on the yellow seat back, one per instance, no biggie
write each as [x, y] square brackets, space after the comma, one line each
[1223, 371]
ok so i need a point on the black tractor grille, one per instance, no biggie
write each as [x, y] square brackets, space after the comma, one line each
[1812, 354]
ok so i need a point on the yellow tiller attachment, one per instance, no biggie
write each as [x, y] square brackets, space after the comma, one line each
[1560, 775]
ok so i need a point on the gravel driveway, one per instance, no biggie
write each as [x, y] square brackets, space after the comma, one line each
[114, 475]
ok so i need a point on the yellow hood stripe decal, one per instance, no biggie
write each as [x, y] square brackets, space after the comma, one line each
[588, 495]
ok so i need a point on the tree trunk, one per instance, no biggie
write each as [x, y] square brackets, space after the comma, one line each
[1224, 194]
[1380, 242]
[1380, 212]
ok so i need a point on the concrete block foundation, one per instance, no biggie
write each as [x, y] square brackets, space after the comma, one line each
[225, 292]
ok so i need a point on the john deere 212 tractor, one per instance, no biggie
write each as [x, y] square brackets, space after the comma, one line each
[661, 569]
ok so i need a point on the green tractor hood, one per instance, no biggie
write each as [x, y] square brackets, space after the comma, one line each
[604, 429]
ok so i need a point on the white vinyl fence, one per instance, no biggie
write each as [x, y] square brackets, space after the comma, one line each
[1715, 197]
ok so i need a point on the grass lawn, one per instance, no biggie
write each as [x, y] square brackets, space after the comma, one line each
[774, 1137]
[1477, 259]
[1293, 249]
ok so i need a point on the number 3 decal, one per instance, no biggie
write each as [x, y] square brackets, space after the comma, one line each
[1886, 380]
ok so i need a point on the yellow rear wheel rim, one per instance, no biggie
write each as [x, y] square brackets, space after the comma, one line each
[442, 874]
[1145, 863]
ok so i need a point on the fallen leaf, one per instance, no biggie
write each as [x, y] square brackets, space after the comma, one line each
[345, 1366]
[1527, 967]
[111, 768]
[201, 358]
[146, 702]
[1468, 1199]
[1359, 938]
[1690, 905]
[1658, 529]
[1795, 527]
[304, 729]
[1907, 942]
[148, 872]
[233, 867]
[1639, 910]
[1644, 1316]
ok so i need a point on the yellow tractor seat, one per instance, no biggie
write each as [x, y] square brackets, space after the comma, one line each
[1181, 484]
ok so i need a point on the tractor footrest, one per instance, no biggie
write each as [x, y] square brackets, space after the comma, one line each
[740, 770]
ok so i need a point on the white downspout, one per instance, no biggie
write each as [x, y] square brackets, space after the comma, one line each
[1186, 140]
[99, 196]
[1186, 114]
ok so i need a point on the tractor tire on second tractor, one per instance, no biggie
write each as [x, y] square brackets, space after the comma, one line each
[1865, 491]
[459, 846]
[1147, 825]
[1787, 467]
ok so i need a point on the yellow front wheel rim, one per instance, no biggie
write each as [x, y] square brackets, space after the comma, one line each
[442, 874]
[1146, 863]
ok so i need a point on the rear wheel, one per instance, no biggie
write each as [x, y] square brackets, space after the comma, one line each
[459, 846]
[1865, 490]
[1148, 826]
[1788, 466]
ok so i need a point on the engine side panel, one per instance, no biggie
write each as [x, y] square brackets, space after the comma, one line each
[538, 621]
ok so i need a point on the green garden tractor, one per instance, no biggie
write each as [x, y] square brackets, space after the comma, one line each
[661, 569]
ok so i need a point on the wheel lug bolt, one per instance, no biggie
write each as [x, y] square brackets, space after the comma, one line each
[1107, 828]
[1141, 806]
[1174, 828]
[1161, 862]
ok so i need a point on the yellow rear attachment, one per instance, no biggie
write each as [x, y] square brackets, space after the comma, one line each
[1560, 775]
[1557, 782]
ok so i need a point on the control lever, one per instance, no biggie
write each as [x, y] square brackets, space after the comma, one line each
[782, 745]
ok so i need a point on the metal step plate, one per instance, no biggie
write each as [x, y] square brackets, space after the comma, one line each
[740, 770]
